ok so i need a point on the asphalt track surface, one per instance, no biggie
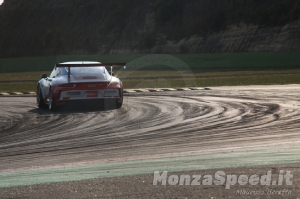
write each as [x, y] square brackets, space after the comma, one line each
[228, 122]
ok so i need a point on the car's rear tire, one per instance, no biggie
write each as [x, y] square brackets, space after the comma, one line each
[52, 105]
[118, 104]
[39, 98]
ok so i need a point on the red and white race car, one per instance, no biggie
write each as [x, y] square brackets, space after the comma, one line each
[79, 81]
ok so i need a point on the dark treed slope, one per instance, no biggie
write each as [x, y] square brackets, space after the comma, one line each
[40, 28]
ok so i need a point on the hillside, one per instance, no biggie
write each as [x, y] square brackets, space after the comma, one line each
[57, 27]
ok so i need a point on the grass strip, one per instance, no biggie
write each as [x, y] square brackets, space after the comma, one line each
[14, 82]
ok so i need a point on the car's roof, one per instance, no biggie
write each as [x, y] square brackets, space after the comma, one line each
[81, 62]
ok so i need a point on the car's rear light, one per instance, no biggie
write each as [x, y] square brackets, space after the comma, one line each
[114, 84]
[67, 85]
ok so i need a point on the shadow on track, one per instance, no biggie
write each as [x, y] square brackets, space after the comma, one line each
[79, 107]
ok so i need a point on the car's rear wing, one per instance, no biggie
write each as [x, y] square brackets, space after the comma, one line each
[69, 66]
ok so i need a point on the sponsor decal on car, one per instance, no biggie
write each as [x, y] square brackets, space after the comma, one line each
[73, 93]
[111, 91]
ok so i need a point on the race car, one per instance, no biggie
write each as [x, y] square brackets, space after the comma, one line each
[85, 80]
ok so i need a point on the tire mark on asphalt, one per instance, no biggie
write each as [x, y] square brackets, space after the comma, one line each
[147, 124]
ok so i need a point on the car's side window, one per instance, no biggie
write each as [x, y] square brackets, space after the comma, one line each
[63, 71]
